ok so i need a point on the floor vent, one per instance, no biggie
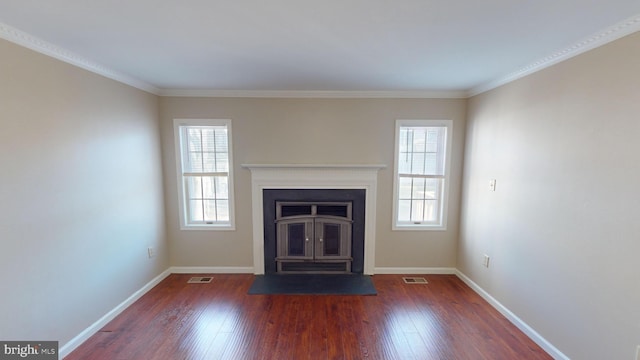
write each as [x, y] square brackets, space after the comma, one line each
[414, 280]
[200, 280]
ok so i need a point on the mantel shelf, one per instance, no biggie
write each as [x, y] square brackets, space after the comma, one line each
[315, 166]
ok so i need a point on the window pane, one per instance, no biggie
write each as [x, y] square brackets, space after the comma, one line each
[194, 187]
[432, 188]
[194, 139]
[431, 165]
[417, 210]
[222, 210]
[208, 139]
[221, 140]
[419, 139]
[417, 191]
[404, 141]
[404, 163]
[208, 162]
[433, 138]
[221, 187]
[222, 162]
[208, 187]
[417, 163]
[194, 162]
[431, 210]
[404, 210]
[405, 186]
[195, 210]
[210, 210]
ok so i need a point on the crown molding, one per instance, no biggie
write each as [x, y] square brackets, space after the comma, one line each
[601, 38]
[21, 38]
[34, 43]
[391, 94]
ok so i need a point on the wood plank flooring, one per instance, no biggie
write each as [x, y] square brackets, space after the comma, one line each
[444, 319]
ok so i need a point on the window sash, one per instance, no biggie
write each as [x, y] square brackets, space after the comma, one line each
[419, 200]
[421, 150]
[205, 149]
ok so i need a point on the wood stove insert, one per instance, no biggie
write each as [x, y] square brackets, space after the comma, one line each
[313, 237]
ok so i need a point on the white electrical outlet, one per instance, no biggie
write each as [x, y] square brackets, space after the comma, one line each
[485, 260]
[150, 252]
[492, 185]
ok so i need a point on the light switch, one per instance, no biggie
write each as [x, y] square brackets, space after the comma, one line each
[492, 184]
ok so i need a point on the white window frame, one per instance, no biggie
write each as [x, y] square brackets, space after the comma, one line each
[441, 224]
[179, 146]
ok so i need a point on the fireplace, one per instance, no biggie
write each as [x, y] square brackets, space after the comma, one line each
[314, 230]
[314, 177]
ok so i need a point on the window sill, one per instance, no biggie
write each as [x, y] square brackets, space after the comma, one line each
[208, 227]
[418, 228]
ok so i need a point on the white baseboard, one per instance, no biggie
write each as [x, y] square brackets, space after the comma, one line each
[532, 334]
[411, 270]
[67, 348]
[211, 270]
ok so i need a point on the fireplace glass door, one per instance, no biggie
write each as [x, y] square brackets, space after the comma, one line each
[295, 239]
[332, 239]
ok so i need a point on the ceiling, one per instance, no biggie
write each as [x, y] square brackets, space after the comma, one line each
[405, 46]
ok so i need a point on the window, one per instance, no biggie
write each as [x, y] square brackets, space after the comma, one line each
[205, 183]
[421, 177]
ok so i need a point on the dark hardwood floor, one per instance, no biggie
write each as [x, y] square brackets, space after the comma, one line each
[444, 319]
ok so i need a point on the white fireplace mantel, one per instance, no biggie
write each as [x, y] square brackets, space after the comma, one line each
[314, 176]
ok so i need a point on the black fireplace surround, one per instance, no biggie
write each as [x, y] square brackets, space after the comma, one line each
[355, 196]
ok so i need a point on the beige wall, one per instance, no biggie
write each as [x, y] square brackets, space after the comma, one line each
[311, 131]
[80, 195]
[562, 229]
